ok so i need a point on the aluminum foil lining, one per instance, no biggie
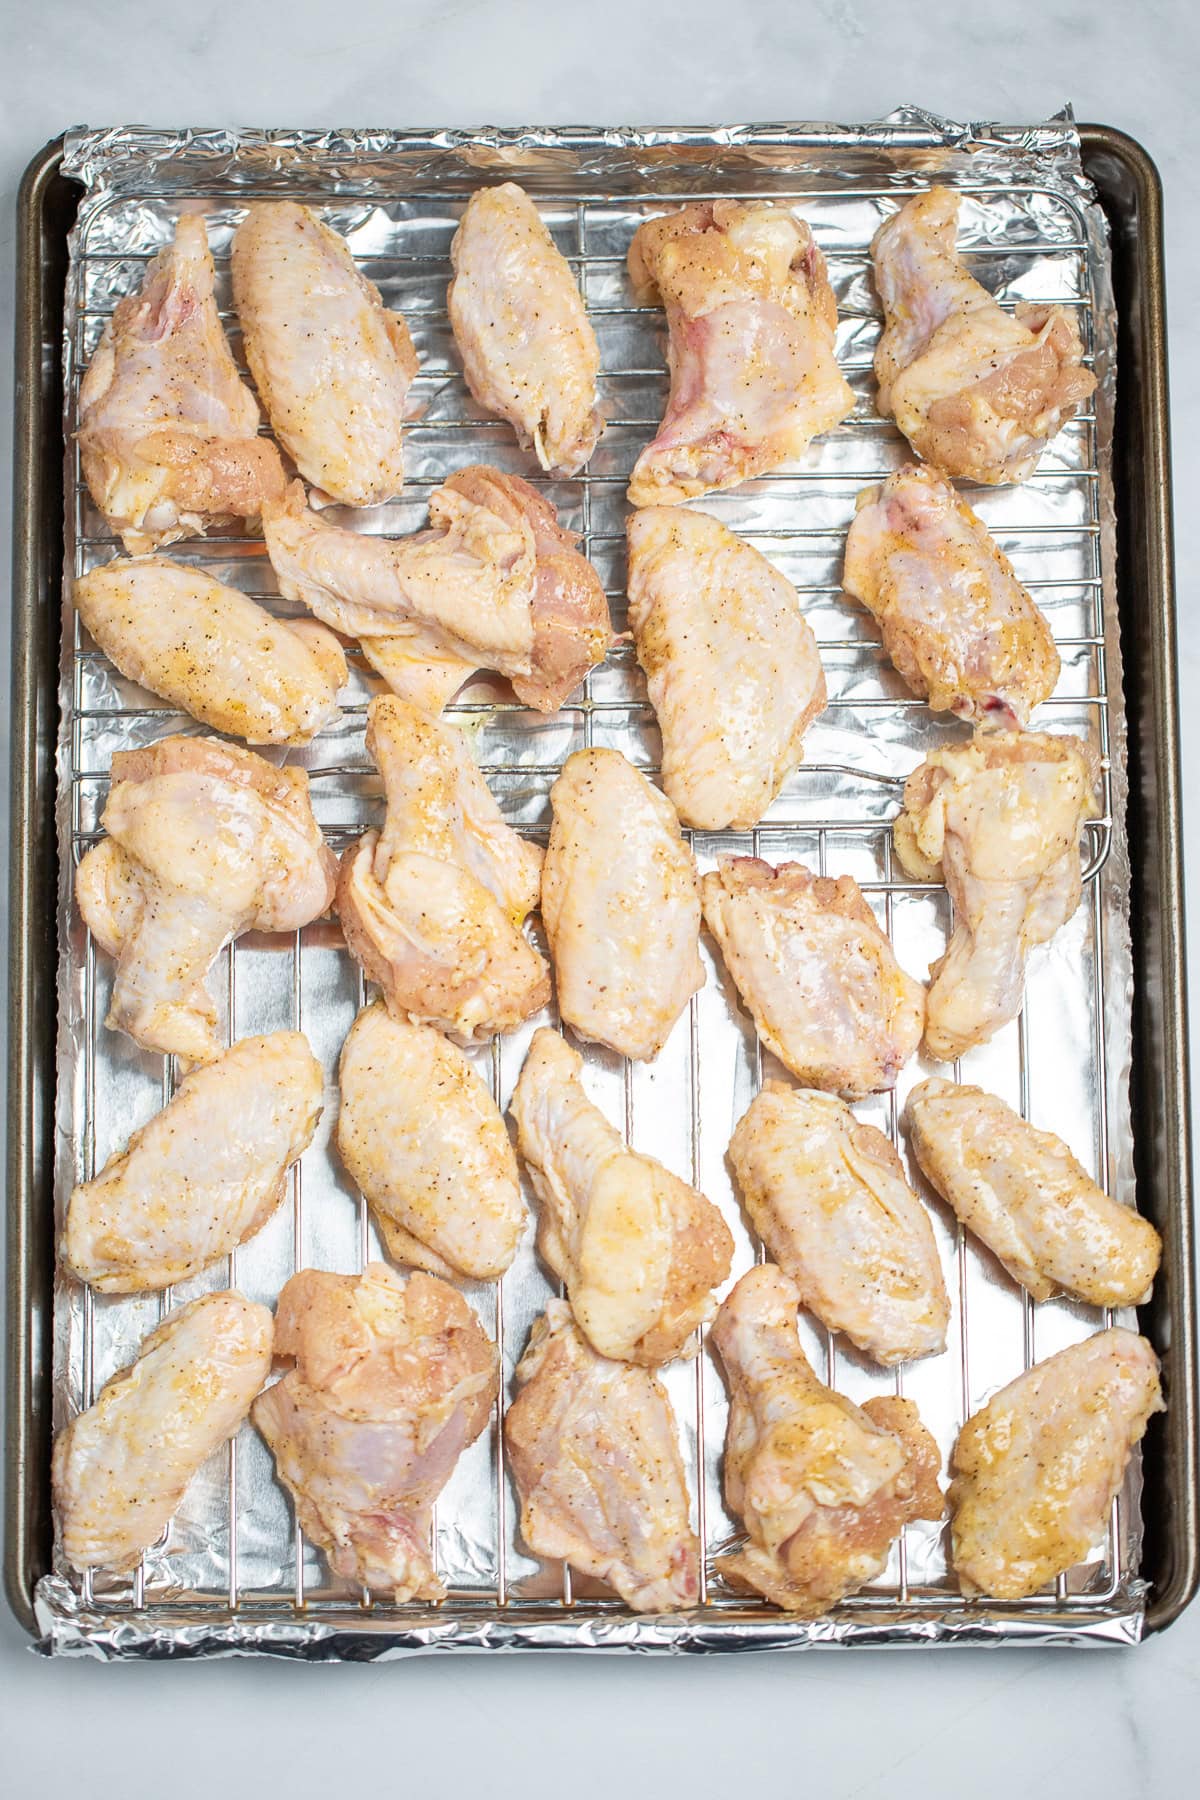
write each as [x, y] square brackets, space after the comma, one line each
[232, 1573]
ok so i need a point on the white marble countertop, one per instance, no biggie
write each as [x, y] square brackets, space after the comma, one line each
[866, 1724]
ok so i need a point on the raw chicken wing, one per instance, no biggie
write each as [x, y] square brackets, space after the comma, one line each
[203, 1175]
[999, 820]
[1024, 1195]
[621, 906]
[828, 1197]
[495, 583]
[824, 1486]
[1035, 1471]
[731, 664]
[956, 622]
[168, 430]
[211, 651]
[432, 906]
[751, 317]
[391, 1381]
[594, 1452]
[639, 1250]
[205, 841]
[816, 972]
[521, 327]
[976, 390]
[424, 1141]
[333, 366]
[122, 1467]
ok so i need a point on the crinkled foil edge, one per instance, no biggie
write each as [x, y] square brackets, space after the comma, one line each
[118, 162]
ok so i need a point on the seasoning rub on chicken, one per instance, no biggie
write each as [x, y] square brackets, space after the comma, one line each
[205, 841]
[957, 623]
[817, 973]
[999, 820]
[751, 318]
[621, 905]
[639, 1250]
[827, 1195]
[202, 1175]
[975, 389]
[212, 651]
[529, 352]
[333, 366]
[168, 430]
[732, 666]
[1023, 1194]
[390, 1381]
[824, 1486]
[594, 1451]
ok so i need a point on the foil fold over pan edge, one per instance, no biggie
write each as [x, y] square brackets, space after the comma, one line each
[122, 162]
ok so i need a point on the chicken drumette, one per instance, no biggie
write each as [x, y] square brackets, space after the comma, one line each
[999, 820]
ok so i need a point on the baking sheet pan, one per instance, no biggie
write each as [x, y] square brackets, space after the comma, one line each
[232, 1572]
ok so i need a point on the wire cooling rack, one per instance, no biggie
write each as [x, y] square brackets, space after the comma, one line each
[234, 1551]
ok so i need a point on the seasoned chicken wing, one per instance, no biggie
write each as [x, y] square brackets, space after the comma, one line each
[424, 1141]
[594, 1452]
[203, 1175]
[333, 366]
[621, 906]
[391, 1380]
[521, 327]
[956, 622]
[828, 1197]
[121, 1468]
[495, 583]
[1036, 1469]
[731, 664]
[999, 820]
[205, 841]
[976, 390]
[213, 652]
[1025, 1196]
[816, 972]
[824, 1486]
[639, 1250]
[751, 317]
[432, 906]
[168, 430]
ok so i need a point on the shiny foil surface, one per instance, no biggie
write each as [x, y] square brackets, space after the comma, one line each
[233, 1574]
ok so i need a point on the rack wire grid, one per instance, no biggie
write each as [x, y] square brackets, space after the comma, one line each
[233, 1549]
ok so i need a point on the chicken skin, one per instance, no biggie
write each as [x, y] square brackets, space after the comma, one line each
[751, 318]
[1023, 1194]
[203, 1175]
[1035, 1470]
[976, 390]
[391, 1381]
[121, 1468]
[423, 1139]
[333, 366]
[957, 623]
[594, 1452]
[522, 330]
[732, 666]
[621, 906]
[828, 1197]
[816, 972]
[638, 1249]
[212, 652]
[432, 906]
[168, 430]
[999, 820]
[824, 1486]
[205, 841]
[495, 583]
